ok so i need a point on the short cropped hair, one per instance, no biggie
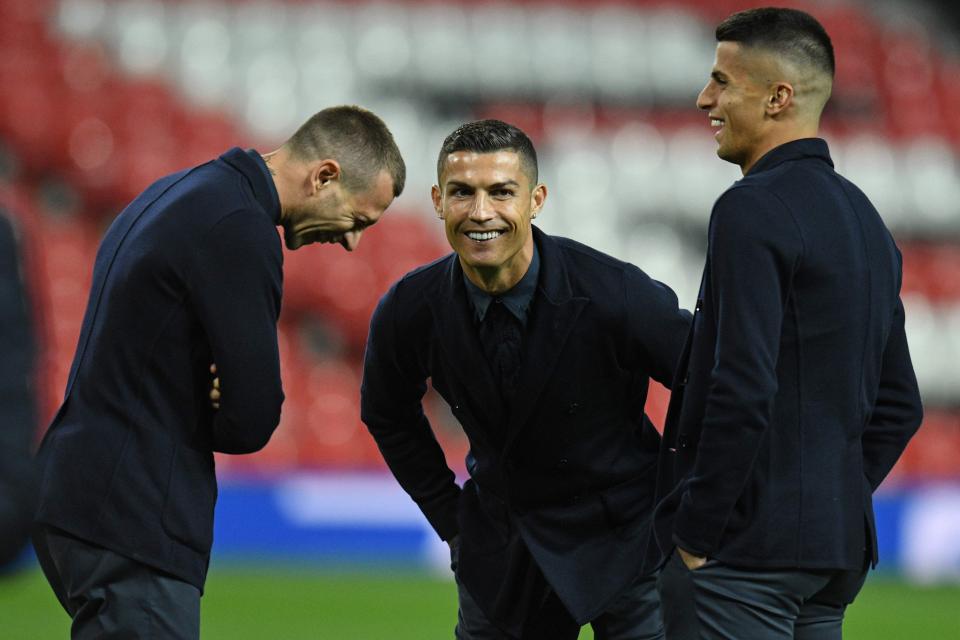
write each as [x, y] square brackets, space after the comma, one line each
[791, 33]
[357, 139]
[489, 136]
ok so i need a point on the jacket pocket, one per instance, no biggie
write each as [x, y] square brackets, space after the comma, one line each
[191, 496]
[630, 502]
[484, 521]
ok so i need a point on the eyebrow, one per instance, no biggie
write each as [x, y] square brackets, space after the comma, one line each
[496, 185]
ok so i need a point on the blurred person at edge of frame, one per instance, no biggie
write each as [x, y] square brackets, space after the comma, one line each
[797, 393]
[18, 397]
[187, 275]
[543, 348]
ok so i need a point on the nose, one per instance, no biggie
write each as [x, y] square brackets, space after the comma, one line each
[705, 99]
[481, 209]
[350, 240]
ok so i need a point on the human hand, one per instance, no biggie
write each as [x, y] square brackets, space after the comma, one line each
[215, 388]
[692, 561]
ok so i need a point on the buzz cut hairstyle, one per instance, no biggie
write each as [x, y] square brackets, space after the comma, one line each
[490, 136]
[357, 139]
[794, 34]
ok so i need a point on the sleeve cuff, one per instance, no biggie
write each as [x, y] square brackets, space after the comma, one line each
[689, 548]
[694, 534]
[444, 520]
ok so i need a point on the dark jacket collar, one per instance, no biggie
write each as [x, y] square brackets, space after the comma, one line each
[517, 300]
[793, 150]
[553, 281]
[252, 166]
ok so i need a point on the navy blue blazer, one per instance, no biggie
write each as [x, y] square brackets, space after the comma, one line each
[18, 394]
[795, 394]
[187, 275]
[574, 475]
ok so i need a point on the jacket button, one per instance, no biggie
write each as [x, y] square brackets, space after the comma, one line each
[563, 462]
[682, 441]
[572, 408]
[699, 305]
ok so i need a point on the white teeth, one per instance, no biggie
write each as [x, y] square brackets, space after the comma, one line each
[716, 123]
[483, 235]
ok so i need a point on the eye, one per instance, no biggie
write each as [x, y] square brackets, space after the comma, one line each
[502, 193]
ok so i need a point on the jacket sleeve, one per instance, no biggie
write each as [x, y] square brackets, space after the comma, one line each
[657, 326]
[897, 412]
[18, 401]
[390, 399]
[753, 248]
[236, 290]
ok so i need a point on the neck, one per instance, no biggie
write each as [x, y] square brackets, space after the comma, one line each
[276, 165]
[502, 278]
[780, 138]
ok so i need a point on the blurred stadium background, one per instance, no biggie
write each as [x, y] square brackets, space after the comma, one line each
[100, 97]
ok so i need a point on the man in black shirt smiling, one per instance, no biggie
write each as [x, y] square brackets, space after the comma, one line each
[795, 394]
[543, 348]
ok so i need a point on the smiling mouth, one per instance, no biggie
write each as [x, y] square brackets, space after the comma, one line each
[321, 237]
[484, 236]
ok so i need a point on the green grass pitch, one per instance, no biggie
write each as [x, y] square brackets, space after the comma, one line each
[252, 603]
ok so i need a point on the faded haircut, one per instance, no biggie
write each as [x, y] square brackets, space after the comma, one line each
[356, 138]
[793, 34]
[489, 136]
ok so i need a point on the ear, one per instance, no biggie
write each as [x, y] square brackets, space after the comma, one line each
[321, 173]
[537, 197]
[437, 198]
[780, 98]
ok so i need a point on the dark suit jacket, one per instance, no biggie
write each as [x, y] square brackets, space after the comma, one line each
[574, 476]
[188, 274]
[795, 393]
[18, 397]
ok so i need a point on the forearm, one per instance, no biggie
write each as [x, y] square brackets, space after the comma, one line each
[418, 463]
[897, 411]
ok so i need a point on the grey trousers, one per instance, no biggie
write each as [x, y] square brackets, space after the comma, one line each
[719, 602]
[635, 615]
[111, 597]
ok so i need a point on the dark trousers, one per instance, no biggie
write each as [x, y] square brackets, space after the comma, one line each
[111, 597]
[719, 602]
[635, 615]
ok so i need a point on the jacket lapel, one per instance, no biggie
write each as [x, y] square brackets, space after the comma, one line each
[553, 316]
[460, 342]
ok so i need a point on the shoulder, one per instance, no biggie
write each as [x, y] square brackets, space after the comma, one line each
[409, 295]
[750, 218]
[596, 274]
[584, 257]
[423, 278]
[207, 195]
[751, 207]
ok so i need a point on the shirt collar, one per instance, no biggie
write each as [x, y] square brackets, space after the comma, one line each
[793, 150]
[517, 299]
[252, 166]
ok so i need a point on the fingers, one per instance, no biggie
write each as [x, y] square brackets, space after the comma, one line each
[215, 388]
[692, 561]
